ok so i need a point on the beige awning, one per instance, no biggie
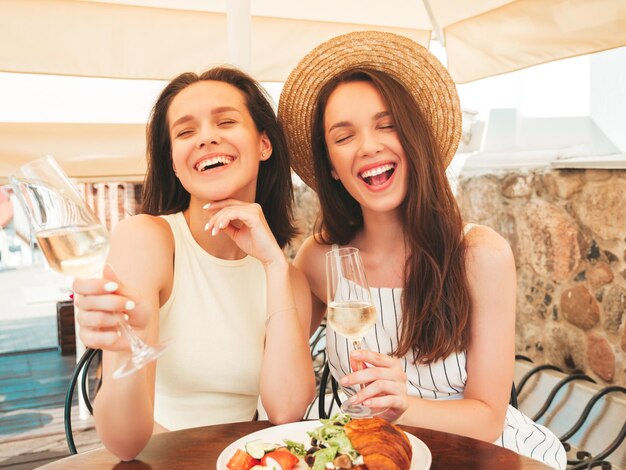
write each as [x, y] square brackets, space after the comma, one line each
[157, 39]
[88, 152]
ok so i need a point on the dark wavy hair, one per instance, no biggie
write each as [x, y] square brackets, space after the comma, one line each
[435, 298]
[162, 191]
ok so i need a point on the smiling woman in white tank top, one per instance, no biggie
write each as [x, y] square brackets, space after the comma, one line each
[203, 267]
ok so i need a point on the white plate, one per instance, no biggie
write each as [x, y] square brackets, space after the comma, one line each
[298, 432]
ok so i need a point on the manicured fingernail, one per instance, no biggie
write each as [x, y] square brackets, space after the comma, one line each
[343, 381]
[111, 286]
[126, 317]
[214, 231]
[220, 225]
[206, 227]
[119, 333]
[129, 305]
[207, 205]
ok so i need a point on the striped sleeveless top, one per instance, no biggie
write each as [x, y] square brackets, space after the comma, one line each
[441, 380]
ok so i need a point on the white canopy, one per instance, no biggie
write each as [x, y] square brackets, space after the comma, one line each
[158, 39]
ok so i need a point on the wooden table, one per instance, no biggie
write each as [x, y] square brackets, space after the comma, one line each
[200, 448]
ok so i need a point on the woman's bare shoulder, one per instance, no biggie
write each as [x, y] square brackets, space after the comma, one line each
[487, 249]
[312, 247]
[141, 225]
[143, 233]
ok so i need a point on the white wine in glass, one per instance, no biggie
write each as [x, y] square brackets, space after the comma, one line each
[351, 319]
[75, 251]
[71, 237]
[350, 312]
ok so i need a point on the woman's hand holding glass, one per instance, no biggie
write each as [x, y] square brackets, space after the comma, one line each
[72, 239]
[381, 385]
[351, 313]
[98, 302]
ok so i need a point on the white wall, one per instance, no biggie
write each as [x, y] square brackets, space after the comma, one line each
[608, 94]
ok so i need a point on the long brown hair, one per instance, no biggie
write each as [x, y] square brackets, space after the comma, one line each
[162, 191]
[435, 298]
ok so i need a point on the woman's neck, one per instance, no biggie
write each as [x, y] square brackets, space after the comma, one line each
[221, 245]
[381, 242]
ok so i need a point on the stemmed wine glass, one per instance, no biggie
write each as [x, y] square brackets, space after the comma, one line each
[71, 237]
[351, 312]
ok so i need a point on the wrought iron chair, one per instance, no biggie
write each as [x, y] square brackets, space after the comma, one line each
[583, 459]
[81, 371]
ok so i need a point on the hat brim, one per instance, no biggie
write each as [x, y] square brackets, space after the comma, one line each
[418, 70]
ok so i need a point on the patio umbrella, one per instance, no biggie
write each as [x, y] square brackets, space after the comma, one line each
[157, 39]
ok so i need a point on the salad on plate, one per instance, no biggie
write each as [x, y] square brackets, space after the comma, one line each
[329, 448]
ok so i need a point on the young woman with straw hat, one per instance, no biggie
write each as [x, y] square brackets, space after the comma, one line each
[372, 121]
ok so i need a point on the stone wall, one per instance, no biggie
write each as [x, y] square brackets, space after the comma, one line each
[567, 229]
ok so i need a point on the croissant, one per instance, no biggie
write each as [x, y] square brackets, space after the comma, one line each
[383, 445]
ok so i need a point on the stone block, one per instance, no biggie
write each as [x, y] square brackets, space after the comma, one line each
[601, 357]
[579, 307]
[601, 208]
[598, 175]
[563, 347]
[548, 240]
[516, 186]
[567, 183]
[614, 306]
[599, 275]
[480, 198]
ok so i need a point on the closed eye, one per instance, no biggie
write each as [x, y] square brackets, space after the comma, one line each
[225, 122]
[184, 132]
[343, 138]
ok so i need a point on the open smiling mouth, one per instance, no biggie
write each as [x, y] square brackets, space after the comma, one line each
[379, 175]
[214, 162]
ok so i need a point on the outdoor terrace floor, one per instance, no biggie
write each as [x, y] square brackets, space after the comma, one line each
[32, 395]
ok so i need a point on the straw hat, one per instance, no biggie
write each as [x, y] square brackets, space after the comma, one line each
[403, 59]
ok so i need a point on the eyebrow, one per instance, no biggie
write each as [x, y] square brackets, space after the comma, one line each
[220, 110]
[377, 116]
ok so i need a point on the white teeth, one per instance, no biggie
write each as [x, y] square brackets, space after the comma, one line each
[204, 164]
[377, 171]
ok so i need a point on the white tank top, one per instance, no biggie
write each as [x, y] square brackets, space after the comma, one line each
[215, 318]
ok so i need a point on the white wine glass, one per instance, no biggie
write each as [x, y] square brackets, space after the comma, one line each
[71, 237]
[351, 312]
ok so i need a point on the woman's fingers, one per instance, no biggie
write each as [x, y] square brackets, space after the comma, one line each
[100, 305]
[250, 215]
[374, 358]
[108, 284]
[97, 320]
[383, 381]
[383, 394]
[94, 286]
[103, 303]
[110, 340]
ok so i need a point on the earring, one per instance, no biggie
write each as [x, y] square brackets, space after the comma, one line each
[334, 175]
